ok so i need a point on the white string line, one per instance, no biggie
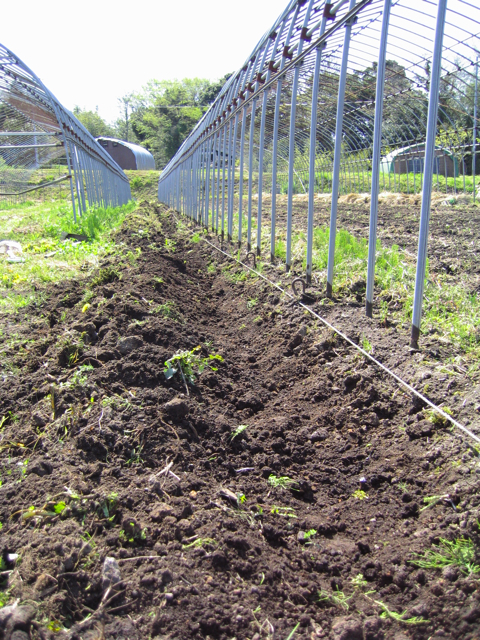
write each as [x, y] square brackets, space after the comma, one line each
[356, 346]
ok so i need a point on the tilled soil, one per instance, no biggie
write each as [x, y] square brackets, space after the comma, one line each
[136, 513]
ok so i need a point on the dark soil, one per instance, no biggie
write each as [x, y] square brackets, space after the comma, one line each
[209, 549]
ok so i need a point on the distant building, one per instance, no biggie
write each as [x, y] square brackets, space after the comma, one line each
[412, 160]
[128, 155]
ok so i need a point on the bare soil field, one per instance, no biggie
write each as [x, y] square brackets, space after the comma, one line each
[295, 492]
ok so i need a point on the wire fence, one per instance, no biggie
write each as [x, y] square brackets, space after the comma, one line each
[361, 96]
[43, 145]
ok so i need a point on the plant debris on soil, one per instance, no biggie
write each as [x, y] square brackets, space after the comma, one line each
[296, 491]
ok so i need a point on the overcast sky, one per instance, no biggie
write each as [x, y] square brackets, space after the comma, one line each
[92, 52]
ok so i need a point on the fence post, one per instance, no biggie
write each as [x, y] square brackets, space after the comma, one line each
[250, 175]
[474, 156]
[428, 172]
[338, 153]
[377, 147]
[313, 151]
[291, 142]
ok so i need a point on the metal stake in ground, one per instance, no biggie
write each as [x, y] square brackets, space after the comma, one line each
[427, 178]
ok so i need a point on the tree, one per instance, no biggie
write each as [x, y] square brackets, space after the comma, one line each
[93, 122]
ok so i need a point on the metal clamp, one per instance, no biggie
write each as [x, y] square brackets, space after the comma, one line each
[294, 286]
[251, 253]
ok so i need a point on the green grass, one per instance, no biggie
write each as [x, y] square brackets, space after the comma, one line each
[38, 226]
[457, 553]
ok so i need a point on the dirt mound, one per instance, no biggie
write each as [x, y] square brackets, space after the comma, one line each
[283, 496]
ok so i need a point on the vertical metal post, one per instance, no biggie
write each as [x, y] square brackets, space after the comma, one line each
[260, 170]
[276, 122]
[224, 155]
[214, 163]
[377, 144]
[291, 144]
[233, 150]
[250, 175]
[313, 152]
[240, 186]
[220, 134]
[338, 153]
[428, 169]
[474, 146]
[208, 152]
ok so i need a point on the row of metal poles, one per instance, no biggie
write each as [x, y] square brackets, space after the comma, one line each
[95, 178]
[201, 180]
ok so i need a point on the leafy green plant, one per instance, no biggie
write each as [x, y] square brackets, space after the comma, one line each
[79, 377]
[281, 482]
[337, 598]
[431, 501]
[199, 542]
[285, 512]
[308, 535]
[238, 431]
[399, 617]
[252, 302]
[360, 494]
[189, 364]
[457, 553]
[359, 581]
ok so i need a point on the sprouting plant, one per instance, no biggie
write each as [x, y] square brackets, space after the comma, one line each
[399, 617]
[403, 486]
[79, 377]
[285, 512]
[360, 494]
[309, 534]
[457, 553]
[337, 598]
[366, 345]
[170, 245]
[241, 498]
[359, 581]
[252, 302]
[283, 482]
[135, 456]
[189, 363]
[199, 542]
[59, 506]
[431, 501]
[437, 419]
[238, 431]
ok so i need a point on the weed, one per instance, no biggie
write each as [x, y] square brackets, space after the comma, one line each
[293, 631]
[459, 553]
[199, 542]
[285, 512]
[135, 456]
[337, 598]
[282, 482]
[168, 310]
[252, 302]
[309, 534]
[399, 617]
[79, 377]
[437, 419]
[189, 363]
[238, 431]
[170, 245]
[360, 494]
[105, 276]
[359, 581]
[403, 486]
[367, 345]
[431, 501]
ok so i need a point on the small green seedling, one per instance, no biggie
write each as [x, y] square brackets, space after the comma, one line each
[238, 431]
[199, 542]
[309, 534]
[431, 501]
[337, 598]
[282, 482]
[285, 512]
[189, 363]
[360, 494]
[459, 553]
[399, 617]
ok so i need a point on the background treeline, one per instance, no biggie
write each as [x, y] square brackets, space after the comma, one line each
[159, 117]
[163, 114]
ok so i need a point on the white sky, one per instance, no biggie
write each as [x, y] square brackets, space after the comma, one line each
[90, 53]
